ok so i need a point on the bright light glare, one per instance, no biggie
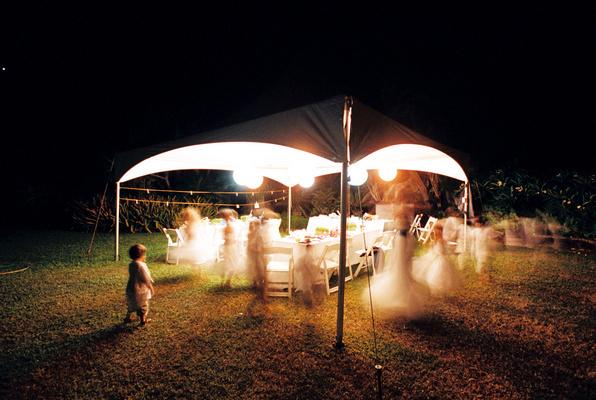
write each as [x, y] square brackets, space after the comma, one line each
[387, 174]
[247, 177]
[302, 174]
[254, 180]
[306, 181]
[357, 176]
[239, 176]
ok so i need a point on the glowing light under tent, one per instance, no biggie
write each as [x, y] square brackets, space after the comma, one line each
[356, 175]
[387, 174]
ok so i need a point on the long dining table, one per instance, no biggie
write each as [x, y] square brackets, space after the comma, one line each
[299, 248]
[356, 240]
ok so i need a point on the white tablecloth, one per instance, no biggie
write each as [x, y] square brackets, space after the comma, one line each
[355, 242]
[318, 246]
[330, 223]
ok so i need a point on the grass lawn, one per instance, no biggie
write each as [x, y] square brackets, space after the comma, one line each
[527, 334]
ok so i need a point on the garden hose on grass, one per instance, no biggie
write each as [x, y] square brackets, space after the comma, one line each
[11, 272]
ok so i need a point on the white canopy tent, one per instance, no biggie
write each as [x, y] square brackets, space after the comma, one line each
[317, 139]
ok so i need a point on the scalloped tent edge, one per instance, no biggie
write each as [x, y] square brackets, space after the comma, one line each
[311, 135]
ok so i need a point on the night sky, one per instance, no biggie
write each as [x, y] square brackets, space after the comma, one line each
[500, 82]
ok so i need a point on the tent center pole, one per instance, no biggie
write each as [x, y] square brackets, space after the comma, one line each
[345, 201]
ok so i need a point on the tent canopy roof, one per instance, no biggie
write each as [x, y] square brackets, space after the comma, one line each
[307, 138]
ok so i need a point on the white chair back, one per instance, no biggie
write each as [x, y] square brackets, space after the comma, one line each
[280, 272]
[175, 240]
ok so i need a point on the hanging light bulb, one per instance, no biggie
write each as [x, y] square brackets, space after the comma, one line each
[306, 181]
[356, 175]
[256, 205]
[254, 180]
[239, 176]
[301, 174]
[387, 173]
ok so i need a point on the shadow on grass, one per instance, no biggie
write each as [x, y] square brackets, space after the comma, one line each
[57, 354]
[173, 280]
[529, 364]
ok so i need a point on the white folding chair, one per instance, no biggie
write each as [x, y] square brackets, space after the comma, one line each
[383, 242]
[280, 272]
[367, 255]
[328, 265]
[386, 247]
[416, 225]
[174, 240]
[426, 233]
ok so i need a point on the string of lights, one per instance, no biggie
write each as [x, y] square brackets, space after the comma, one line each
[192, 192]
[166, 202]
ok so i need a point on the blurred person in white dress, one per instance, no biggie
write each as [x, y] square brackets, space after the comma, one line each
[197, 249]
[452, 230]
[485, 239]
[257, 257]
[231, 264]
[436, 268]
[394, 292]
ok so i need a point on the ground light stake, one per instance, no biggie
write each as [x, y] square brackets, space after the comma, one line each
[378, 373]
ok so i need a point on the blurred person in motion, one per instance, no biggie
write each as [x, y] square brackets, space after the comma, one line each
[436, 269]
[231, 247]
[256, 258]
[306, 274]
[485, 240]
[452, 230]
[196, 249]
[395, 293]
[139, 288]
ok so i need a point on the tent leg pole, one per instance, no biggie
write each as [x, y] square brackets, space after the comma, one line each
[289, 208]
[342, 255]
[466, 215]
[117, 250]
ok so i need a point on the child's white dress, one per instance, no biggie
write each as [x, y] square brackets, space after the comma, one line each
[436, 270]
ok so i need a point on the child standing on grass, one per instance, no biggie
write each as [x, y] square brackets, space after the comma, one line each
[140, 285]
